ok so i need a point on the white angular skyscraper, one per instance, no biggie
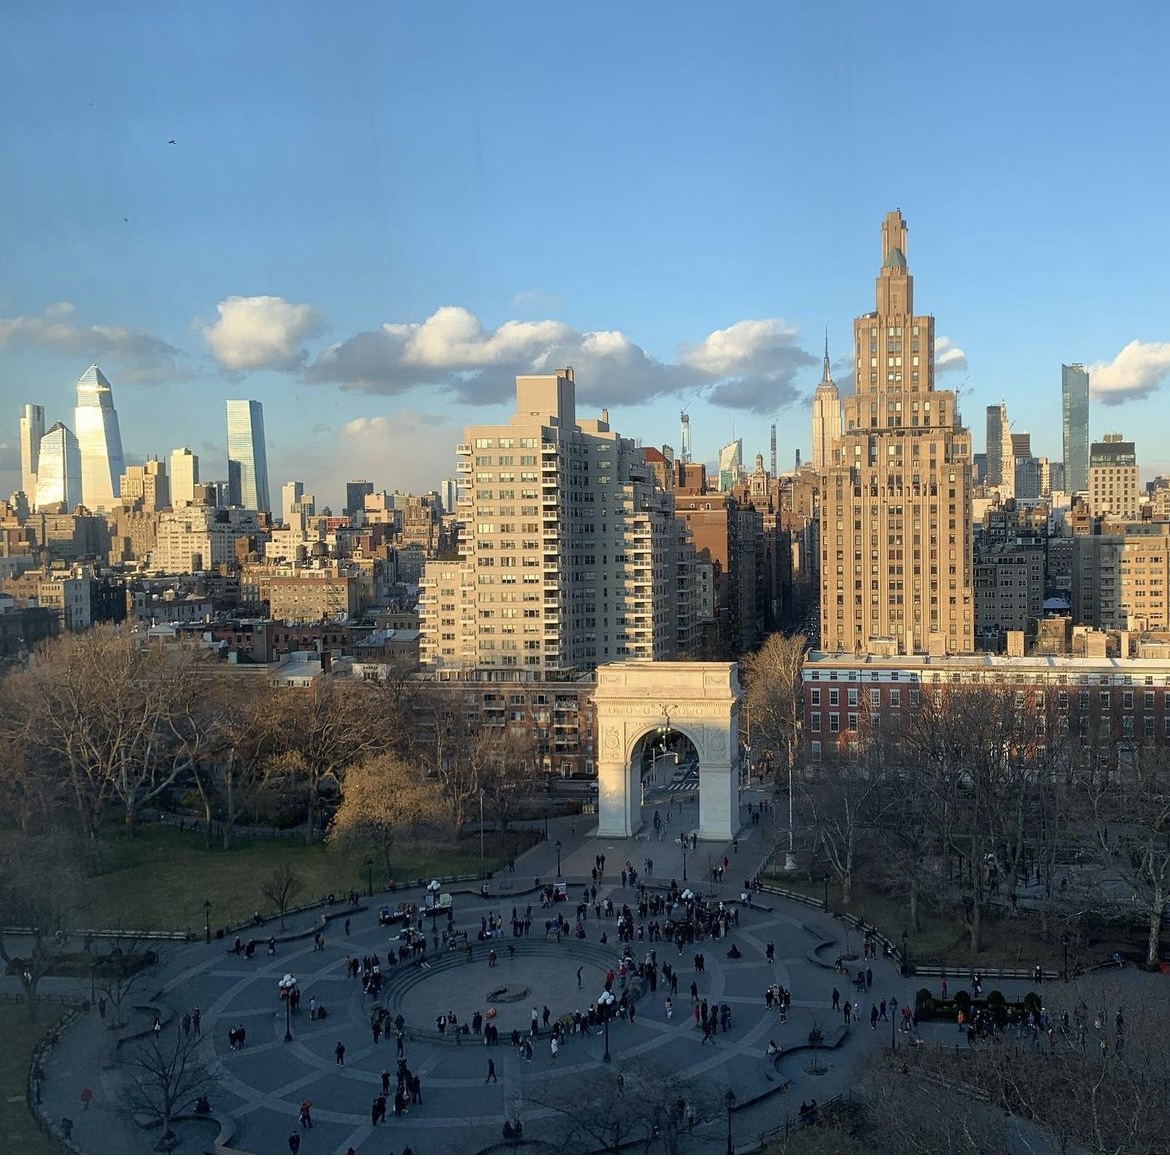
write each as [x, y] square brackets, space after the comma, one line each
[32, 430]
[247, 457]
[59, 469]
[100, 441]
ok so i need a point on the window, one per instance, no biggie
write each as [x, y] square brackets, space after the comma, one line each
[815, 697]
[834, 722]
[834, 697]
[814, 722]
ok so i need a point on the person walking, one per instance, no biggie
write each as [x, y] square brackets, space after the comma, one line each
[491, 1075]
[553, 1046]
[294, 1142]
[86, 1098]
[339, 1053]
[385, 1082]
[306, 1118]
[836, 998]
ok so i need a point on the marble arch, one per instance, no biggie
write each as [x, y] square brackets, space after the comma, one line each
[632, 699]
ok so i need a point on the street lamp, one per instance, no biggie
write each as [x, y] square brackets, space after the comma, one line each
[729, 1100]
[288, 1013]
[905, 954]
[558, 860]
[684, 857]
[369, 868]
[826, 893]
[481, 835]
[1064, 947]
[207, 921]
[606, 1000]
[747, 760]
[893, 1030]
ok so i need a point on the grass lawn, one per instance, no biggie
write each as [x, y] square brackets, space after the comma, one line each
[159, 878]
[18, 1131]
[1008, 943]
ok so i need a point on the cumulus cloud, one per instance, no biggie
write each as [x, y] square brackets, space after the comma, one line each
[948, 356]
[139, 357]
[752, 364]
[421, 447]
[1138, 370]
[261, 333]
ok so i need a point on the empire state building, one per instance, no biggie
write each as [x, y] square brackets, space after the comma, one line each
[896, 571]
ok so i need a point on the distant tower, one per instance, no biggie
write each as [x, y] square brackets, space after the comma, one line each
[100, 441]
[247, 455]
[730, 464]
[1074, 399]
[826, 415]
[773, 450]
[59, 469]
[1001, 459]
[32, 430]
[685, 450]
[798, 458]
[355, 495]
[184, 473]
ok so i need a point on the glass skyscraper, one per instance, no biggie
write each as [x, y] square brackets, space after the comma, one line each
[247, 457]
[100, 441]
[1074, 398]
[58, 469]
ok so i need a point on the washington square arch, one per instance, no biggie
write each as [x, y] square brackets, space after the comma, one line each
[638, 701]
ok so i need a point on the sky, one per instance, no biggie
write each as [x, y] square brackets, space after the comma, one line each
[372, 216]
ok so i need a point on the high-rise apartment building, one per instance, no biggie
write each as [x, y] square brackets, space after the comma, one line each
[184, 475]
[100, 441]
[895, 518]
[730, 464]
[146, 482]
[826, 417]
[449, 495]
[59, 469]
[355, 494]
[247, 455]
[1001, 462]
[1113, 479]
[1074, 399]
[32, 430]
[571, 556]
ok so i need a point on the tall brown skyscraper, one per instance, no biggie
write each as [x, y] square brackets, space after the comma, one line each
[896, 492]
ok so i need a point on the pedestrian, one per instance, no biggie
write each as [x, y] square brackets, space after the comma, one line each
[873, 1017]
[306, 1118]
[86, 1098]
[374, 1112]
[578, 977]
[347, 927]
[380, 1103]
[553, 1046]
[669, 1009]
[294, 1142]
[102, 1007]
[197, 1021]
[339, 1053]
[186, 1023]
[385, 1082]
[491, 1075]
[836, 998]
[944, 989]
[157, 1027]
[847, 1009]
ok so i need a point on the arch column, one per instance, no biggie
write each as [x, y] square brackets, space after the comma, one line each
[702, 701]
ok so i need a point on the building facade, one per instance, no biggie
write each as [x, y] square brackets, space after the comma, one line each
[58, 469]
[184, 476]
[1074, 407]
[1113, 479]
[826, 418]
[32, 430]
[99, 441]
[247, 455]
[895, 500]
[1001, 461]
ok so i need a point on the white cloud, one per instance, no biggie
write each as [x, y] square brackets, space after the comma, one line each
[139, 357]
[948, 356]
[1138, 370]
[752, 364]
[261, 333]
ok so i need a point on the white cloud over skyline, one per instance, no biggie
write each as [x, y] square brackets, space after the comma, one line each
[947, 356]
[1138, 370]
[261, 333]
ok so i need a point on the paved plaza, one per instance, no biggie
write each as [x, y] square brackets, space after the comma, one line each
[259, 1088]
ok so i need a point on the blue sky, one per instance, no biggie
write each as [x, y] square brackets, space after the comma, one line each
[375, 214]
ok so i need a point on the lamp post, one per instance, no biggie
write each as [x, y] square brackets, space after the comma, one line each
[481, 835]
[790, 856]
[826, 893]
[207, 921]
[747, 764]
[606, 1001]
[369, 868]
[905, 954]
[288, 1014]
[1064, 947]
[558, 859]
[684, 857]
[893, 1031]
[729, 1100]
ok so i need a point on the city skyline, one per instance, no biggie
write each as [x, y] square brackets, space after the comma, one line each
[376, 267]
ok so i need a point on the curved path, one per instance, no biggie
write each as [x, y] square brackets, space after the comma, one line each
[260, 1087]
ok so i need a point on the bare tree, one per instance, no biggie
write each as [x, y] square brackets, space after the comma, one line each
[164, 1076]
[772, 679]
[116, 972]
[447, 737]
[383, 797]
[506, 764]
[280, 887]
